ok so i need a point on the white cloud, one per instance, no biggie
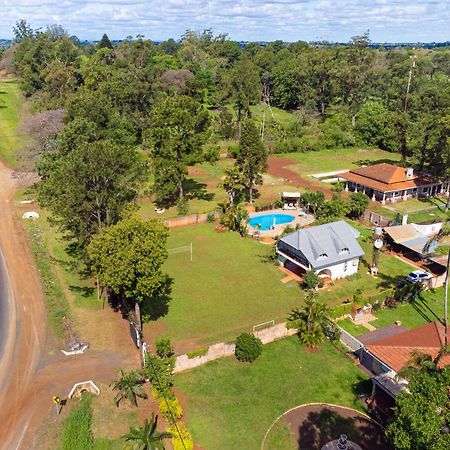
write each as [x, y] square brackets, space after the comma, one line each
[335, 20]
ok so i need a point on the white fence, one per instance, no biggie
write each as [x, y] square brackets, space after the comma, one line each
[350, 341]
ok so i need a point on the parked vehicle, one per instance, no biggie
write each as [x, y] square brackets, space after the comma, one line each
[418, 276]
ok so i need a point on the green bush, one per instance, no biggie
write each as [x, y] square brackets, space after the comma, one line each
[311, 280]
[198, 352]
[248, 347]
[183, 439]
[159, 373]
[76, 433]
[212, 154]
[182, 207]
[164, 348]
[211, 217]
[331, 331]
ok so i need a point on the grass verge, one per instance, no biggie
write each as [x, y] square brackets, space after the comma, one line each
[57, 305]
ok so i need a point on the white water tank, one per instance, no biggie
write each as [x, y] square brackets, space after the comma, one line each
[409, 173]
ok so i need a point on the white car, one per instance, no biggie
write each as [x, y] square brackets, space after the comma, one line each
[418, 276]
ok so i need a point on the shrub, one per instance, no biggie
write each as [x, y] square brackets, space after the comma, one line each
[170, 409]
[164, 348]
[182, 207]
[159, 373]
[311, 280]
[212, 154]
[211, 217]
[279, 203]
[248, 347]
[390, 302]
[195, 353]
[183, 439]
[331, 331]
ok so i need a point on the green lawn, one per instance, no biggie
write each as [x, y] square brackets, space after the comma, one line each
[336, 159]
[349, 326]
[229, 287]
[11, 103]
[428, 308]
[226, 289]
[231, 405]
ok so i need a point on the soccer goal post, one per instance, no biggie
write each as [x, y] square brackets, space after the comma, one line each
[262, 326]
[182, 249]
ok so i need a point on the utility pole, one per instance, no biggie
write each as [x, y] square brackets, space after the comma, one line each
[413, 64]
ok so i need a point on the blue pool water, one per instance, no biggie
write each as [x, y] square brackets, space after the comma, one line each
[267, 220]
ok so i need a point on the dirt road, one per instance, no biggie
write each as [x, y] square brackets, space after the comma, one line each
[25, 320]
[30, 370]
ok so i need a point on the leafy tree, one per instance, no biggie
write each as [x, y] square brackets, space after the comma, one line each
[313, 201]
[333, 209]
[423, 362]
[146, 437]
[129, 387]
[128, 258]
[357, 204]
[252, 157]
[88, 189]
[422, 413]
[233, 185]
[224, 123]
[248, 347]
[159, 372]
[105, 42]
[234, 217]
[164, 348]
[178, 130]
[372, 123]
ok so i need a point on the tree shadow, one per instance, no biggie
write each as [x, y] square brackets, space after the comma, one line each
[327, 425]
[196, 190]
[158, 306]
[388, 281]
[85, 291]
[421, 306]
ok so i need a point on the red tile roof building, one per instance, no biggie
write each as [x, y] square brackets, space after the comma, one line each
[395, 351]
[386, 182]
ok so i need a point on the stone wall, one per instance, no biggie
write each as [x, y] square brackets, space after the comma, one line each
[216, 351]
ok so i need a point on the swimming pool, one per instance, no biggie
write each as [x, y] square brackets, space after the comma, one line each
[265, 221]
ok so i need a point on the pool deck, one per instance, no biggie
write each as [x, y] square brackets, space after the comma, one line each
[298, 220]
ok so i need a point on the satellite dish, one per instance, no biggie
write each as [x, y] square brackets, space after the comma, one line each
[378, 243]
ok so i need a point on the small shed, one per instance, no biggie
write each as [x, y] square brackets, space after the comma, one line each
[291, 200]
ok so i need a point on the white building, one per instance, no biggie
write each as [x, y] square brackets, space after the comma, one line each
[332, 250]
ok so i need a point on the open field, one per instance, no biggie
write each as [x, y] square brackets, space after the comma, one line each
[229, 287]
[231, 405]
[203, 183]
[11, 103]
[337, 159]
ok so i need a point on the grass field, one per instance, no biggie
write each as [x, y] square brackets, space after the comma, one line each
[11, 104]
[336, 159]
[231, 405]
[229, 287]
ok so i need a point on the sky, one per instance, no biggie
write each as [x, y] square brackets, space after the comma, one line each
[247, 20]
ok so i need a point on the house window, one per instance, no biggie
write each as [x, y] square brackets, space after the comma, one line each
[344, 250]
[322, 256]
[425, 189]
[345, 267]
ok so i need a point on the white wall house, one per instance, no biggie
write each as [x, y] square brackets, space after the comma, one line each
[332, 250]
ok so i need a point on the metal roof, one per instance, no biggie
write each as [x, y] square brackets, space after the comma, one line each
[410, 237]
[327, 244]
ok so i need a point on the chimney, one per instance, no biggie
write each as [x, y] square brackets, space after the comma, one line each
[409, 173]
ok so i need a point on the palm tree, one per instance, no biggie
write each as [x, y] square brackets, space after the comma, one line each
[129, 387]
[443, 235]
[146, 437]
[423, 362]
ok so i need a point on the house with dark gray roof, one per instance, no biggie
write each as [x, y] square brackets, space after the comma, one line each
[331, 249]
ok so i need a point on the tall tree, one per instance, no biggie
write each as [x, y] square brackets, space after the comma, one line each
[146, 437]
[422, 413]
[252, 158]
[104, 42]
[88, 189]
[178, 130]
[128, 258]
